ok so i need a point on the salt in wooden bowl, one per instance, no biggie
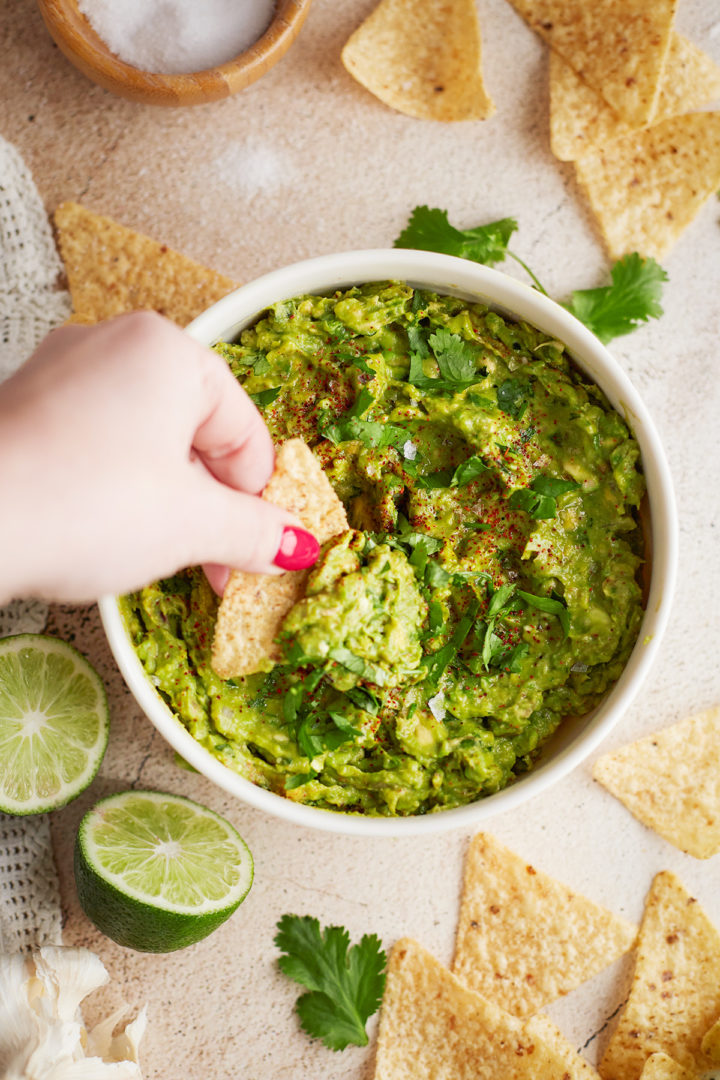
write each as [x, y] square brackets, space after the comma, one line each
[88, 52]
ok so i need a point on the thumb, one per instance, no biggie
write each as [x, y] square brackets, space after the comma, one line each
[234, 529]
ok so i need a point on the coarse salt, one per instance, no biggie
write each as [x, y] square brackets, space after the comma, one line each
[178, 36]
[436, 706]
[409, 451]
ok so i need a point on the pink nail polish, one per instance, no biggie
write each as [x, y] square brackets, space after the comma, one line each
[298, 549]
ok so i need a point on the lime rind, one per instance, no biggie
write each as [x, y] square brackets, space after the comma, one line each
[157, 872]
[54, 723]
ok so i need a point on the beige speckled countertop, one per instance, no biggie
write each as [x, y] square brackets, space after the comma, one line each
[306, 162]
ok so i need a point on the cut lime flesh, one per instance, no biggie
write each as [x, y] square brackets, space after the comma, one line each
[156, 872]
[53, 723]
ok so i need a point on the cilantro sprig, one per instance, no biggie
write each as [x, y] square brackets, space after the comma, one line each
[632, 297]
[345, 983]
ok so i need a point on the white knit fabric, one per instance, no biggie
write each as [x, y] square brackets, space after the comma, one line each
[31, 304]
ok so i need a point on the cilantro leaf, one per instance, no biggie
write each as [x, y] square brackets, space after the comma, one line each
[550, 606]
[371, 433]
[345, 983]
[266, 397]
[429, 230]
[456, 360]
[298, 779]
[512, 397]
[633, 298]
[468, 470]
[357, 665]
[539, 500]
[455, 357]
[436, 662]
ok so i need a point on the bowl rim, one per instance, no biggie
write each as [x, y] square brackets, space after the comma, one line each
[442, 273]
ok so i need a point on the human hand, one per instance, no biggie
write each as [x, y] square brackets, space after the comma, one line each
[128, 452]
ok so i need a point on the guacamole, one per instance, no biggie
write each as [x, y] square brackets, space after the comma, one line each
[488, 587]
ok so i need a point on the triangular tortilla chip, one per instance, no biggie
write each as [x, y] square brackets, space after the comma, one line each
[422, 57]
[524, 938]
[671, 782]
[675, 992]
[111, 269]
[254, 605]
[646, 188]
[662, 1067]
[581, 119]
[434, 1028]
[617, 46]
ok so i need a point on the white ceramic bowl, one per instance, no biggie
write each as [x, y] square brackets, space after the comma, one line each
[575, 738]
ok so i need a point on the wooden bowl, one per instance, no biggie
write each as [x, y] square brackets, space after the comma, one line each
[88, 52]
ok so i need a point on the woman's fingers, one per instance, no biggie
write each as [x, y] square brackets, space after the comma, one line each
[232, 439]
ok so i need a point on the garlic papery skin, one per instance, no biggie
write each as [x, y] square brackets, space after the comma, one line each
[42, 1034]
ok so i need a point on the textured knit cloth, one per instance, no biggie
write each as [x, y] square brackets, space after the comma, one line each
[31, 304]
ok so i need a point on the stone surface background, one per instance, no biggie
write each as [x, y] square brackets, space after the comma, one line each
[306, 162]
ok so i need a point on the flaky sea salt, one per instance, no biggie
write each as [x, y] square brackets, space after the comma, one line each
[176, 36]
[409, 450]
[437, 706]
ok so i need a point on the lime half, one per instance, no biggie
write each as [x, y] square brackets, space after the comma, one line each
[158, 872]
[53, 723]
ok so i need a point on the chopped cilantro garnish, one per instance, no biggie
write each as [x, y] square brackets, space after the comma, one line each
[512, 397]
[436, 662]
[345, 983]
[357, 665]
[539, 500]
[299, 779]
[468, 470]
[266, 397]
[371, 433]
[456, 361]
[550, 606]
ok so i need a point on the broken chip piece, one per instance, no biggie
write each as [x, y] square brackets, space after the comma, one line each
[432, 1027]
[646, 188]
[524, 938]
[112, 269]
[254, 605]
[422, 58]
[618, 47]
[581, 120]
[675, 993]
[670, 782]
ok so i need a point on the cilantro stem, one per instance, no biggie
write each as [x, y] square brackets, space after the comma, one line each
[528, 271]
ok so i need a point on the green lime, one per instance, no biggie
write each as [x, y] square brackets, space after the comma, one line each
[157, 872]
[53, 723]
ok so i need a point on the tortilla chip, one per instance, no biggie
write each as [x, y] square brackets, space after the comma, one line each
[675, 993]
[646, 188]
[662, 1067]
[617, 46]
[671, 782]
[434, 1028]
[254, 605]
[524, 938]
[710, 1044]
[111, 270]
[581, 120]
[422, 57]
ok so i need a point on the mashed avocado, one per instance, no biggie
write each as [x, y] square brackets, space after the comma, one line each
[488, 587]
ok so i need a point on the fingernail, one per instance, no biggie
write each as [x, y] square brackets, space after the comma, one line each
[298, 549]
